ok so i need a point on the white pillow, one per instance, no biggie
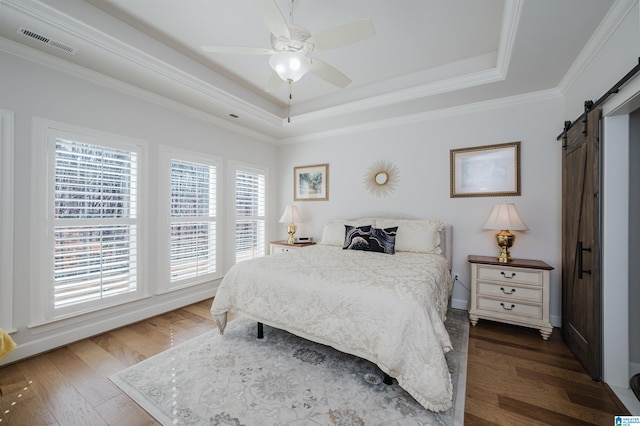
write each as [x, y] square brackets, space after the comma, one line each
[418, 236]
[333, 230]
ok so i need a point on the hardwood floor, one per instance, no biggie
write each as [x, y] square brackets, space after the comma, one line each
[516, 378]
[70, 385]
[513, 377]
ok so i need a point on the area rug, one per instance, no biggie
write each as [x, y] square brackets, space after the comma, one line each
[282, 379]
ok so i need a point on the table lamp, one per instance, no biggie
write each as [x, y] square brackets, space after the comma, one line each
[290, 216]
[505, 218]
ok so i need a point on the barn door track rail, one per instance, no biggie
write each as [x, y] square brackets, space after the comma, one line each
[590, 105]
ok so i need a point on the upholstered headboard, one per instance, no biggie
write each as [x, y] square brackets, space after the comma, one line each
[446, 244]
[418, 235]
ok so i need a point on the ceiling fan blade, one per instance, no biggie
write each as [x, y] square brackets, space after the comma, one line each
[238, 50]
[329, 73]
[274, 83]
[344, 34]
[273, 18]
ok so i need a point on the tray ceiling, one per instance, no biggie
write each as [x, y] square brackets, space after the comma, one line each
[425, 56]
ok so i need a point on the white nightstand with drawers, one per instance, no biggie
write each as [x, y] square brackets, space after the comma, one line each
[516, 292]
[283, 247]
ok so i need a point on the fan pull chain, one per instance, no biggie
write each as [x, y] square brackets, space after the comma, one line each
[289, 106]
[291, 13]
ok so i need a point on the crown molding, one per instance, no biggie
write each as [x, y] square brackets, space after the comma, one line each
[87, 33]
[275, 123]
[44, 13]
[33, 55]
[505, 102]
[425, 90]
[511, 18]
[614, 18]
[510, 21]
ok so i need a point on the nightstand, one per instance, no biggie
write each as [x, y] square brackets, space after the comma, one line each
[283, 246]
[516, 292]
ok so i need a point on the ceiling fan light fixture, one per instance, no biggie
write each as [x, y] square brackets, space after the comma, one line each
[289, 65]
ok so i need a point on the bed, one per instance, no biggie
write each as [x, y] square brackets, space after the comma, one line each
[388, 309]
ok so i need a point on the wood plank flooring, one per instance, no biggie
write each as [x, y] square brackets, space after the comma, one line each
[514, 377]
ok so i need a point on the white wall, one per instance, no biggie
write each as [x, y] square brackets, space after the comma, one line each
[420, 149]
[30, 90]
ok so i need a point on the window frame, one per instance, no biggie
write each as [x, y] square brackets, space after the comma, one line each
[45, 133]
[167, 155]
[234, 167]
[6, 218]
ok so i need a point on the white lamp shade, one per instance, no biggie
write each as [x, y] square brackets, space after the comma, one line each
[505, 216]
[290, 66]
[290, 215]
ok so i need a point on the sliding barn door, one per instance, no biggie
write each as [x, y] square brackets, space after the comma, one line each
[581, 287]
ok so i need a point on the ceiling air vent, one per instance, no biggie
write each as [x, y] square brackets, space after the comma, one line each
[46, 40]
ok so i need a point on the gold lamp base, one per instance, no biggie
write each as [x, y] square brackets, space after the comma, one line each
[505, 240]
[291, 230]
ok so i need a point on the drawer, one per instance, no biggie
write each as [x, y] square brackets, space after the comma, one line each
[508, 292]
[508, 275]
[510, 308]
[280, 249]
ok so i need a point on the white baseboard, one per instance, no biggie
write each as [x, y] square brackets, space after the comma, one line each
[137, 312]
[460, 304]
[628, 398]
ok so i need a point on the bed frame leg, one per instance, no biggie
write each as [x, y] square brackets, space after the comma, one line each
[260, 330]
[387, 379]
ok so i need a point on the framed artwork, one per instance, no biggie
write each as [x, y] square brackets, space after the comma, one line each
[486, 171]
[311, 183]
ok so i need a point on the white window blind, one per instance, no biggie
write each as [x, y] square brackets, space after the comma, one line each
[250, 214]
[193, 219]
[95, 228]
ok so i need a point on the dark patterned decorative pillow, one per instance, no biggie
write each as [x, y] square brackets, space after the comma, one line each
[383, 240]
[356, 237]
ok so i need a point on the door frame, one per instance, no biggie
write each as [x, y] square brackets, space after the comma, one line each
[615, 245]
[615, 248]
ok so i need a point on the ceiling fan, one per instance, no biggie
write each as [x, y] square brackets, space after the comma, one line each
[292, 45]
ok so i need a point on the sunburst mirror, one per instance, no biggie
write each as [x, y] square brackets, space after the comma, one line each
[381, 178]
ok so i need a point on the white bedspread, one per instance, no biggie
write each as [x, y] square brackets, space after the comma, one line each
[388, 309]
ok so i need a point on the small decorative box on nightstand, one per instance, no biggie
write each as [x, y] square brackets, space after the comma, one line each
[283, 246]
[516, 292]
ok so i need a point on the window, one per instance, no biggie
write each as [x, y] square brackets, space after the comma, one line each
[250, 194]
[193, 219]
[95, 199]
[92, 256]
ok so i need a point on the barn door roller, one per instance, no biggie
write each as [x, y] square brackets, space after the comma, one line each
[615, 89]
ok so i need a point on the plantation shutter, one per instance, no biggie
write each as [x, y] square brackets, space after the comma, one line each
[95, 232]
[250, 214]
[193, 219]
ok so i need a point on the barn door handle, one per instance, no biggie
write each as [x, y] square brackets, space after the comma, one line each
[580, 251]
